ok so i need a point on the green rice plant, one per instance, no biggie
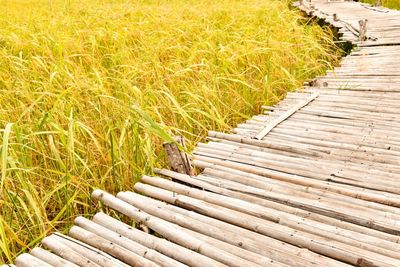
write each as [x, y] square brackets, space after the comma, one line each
[89, 91]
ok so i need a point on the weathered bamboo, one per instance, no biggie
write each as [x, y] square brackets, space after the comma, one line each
[388, 171]
[262, 143]
[55, 245]
[288, 220]
[168, 230]
[295, 169]
[349, 115]
[51, 258]
[320, 205]
[224, 231]
[325, 167]
[340, 114]
[27, 260]
[282, 207]
[125, 243]
[313, 119]
[355, 105]
[330, 124]
[321, 169]
[98, 256]
[350, 109]
[344, 120]
[286, 115]
[329, 138]
[189, 223]
[337, 188]
[289, 216]
[172, 250]
[313, 242]
[270, 184]
[242, 253]
[352, 126]
[341, 126]
[308, 149]
[332, 152]
[323, 138]
[109, 247]
[338, 176]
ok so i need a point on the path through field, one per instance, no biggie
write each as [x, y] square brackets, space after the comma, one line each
[314, 181]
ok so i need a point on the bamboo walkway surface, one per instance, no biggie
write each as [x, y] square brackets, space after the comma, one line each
[313, 181]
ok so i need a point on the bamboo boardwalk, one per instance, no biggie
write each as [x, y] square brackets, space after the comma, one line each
[314, 181]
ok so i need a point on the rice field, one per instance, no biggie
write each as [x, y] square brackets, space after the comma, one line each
[395, 4]
[89, 91]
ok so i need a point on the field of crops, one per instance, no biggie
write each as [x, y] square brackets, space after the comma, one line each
[89, 90]
[387, 3]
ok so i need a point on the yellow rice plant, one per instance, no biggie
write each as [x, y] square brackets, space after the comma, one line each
[90, 89]
[395, 4]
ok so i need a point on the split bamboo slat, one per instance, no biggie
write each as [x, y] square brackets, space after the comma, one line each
[312, 181]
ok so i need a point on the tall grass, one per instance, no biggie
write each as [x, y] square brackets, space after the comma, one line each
[395, 4]
[89, 90]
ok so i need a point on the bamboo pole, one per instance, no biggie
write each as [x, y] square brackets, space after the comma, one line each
[27, 260]
[301, 149]
[348, 114]
[326, 167]
[315, 243]
[355, 192]
[177, 252]
[126, 243]
[361, 185]
[330, 127]
[98, 256]
[259, 259]
[168, 230]
[370, 169]
[324, 138]
[316, 135]
[51, 258]
[320, 169]
[369, 133]
[286, 115]
[188, 223]
[350, 125]
[109, 247]
[353, 125]
[163, 246]
[312, 227]
[270, 184]
[226, 232]
[357, 105]
[377, 151]
[293, 147]
[280, 213]
[55, 245]
[294, 169]
[279, 206]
